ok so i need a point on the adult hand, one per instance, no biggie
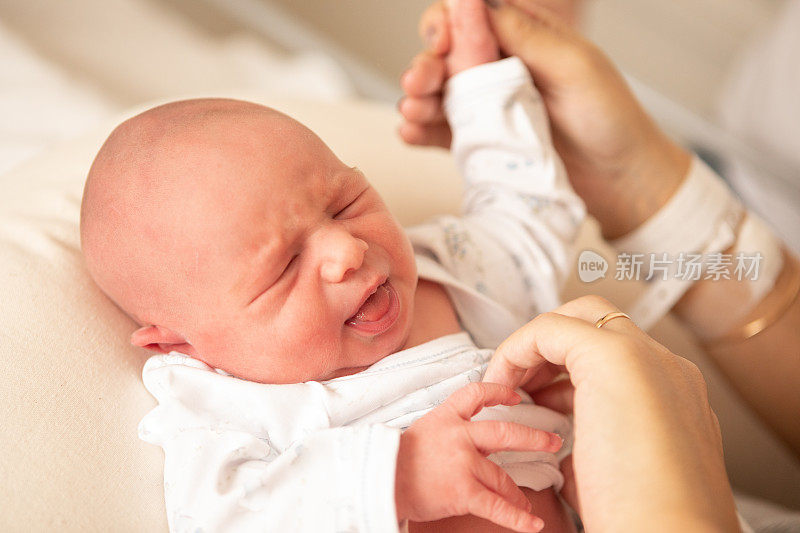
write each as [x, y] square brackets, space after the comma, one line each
[648, 452]
[621, 164]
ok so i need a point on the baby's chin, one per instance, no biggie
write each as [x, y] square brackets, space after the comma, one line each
[344, 372]
[349, 371]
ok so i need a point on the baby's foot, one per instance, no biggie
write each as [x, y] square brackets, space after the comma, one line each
[473, 42]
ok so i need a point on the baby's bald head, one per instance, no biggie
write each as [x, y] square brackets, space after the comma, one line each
[160, 192]
[232, 234]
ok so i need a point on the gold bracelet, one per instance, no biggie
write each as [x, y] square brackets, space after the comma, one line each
[771, 315]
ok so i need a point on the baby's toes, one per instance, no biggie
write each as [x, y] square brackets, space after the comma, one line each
[473, 42]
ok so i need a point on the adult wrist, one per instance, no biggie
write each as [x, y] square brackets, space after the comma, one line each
[695, 225]
[650, 181]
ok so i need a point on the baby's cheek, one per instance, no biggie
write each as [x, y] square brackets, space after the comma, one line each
[405, 253]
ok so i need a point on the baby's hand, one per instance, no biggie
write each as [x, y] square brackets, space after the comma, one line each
[442, 469]
[473, 42]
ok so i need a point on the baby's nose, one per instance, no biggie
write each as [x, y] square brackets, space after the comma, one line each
[345, 252]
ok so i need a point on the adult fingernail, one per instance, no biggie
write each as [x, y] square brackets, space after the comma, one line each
[538, 523]
[556, 441]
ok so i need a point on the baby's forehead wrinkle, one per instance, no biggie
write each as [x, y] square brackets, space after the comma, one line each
[342, 181]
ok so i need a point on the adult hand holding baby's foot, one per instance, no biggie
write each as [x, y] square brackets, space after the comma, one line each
[473, 42]
[470, 42]
[618, 160]
[442, 469]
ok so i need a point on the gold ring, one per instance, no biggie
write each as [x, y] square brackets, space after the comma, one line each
[609, 317]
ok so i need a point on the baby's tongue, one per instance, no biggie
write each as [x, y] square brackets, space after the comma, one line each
[375, 307]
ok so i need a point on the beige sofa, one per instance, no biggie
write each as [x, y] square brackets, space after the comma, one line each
[72, 394]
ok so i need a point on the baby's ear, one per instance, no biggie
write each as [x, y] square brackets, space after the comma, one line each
[162, 340]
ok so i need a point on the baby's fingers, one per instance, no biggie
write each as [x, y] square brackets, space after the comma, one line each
[470, 399]
[491, 436]
[496, 479]
[494, 508]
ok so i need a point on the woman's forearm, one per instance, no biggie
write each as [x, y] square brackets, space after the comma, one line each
[765, 368]
[646, 185]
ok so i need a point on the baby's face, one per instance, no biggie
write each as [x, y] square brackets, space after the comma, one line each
[267, 251]
[297, 258]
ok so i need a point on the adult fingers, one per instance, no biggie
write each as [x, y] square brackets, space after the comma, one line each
[550, 337]
[555, 53]
[425, 76]
[516, 360]
[592, 308]
[470, 399]
[423, 109]
[569, 329]
[491, 436]
[486, 504]
[568, 11]
[559, 396]
[426, 134]
[541, 377]
[434, 30]
[496, 479]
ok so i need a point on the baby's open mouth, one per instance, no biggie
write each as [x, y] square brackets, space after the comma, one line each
[378, 312]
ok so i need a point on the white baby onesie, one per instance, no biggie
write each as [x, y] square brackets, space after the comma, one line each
[321, 456]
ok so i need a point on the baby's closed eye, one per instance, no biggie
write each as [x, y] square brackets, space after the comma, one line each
[347, 210]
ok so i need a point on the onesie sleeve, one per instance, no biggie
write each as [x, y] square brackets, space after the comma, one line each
[520, 217]
[219, 476]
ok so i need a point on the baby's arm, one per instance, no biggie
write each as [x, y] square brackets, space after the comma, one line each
[520, 215]
[224, 471]
[520, 212]
[227, 469]
[340, 479]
